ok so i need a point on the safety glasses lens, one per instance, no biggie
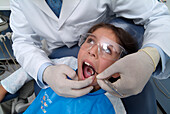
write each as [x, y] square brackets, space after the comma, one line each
[106, 48]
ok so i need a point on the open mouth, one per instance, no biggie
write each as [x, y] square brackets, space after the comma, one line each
[88, 70]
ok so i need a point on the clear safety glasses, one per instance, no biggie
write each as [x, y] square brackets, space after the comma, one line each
[107, 48]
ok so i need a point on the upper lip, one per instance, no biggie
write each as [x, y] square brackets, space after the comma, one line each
[89, 63]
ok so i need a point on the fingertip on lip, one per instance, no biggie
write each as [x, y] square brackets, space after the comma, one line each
[92, 77]
[98, 76]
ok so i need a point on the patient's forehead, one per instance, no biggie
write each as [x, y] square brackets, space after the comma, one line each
[106, 33]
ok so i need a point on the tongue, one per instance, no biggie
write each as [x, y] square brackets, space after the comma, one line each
[88, 71]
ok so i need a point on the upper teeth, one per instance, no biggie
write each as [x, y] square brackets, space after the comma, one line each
[87, 63]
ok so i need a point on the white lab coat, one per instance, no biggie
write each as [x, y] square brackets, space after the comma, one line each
[33, 19]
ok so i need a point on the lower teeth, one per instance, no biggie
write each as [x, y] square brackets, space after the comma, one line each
[90, 71]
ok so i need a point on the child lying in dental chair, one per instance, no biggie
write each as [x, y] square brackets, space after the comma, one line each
[100, 47]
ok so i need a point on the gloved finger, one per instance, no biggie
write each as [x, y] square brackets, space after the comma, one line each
[69, 72]
[80, 84]
[75, 78]
[113, 69]
[122, 87]
[112, 90]
[77, 93]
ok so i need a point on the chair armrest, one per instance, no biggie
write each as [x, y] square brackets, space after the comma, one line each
[9, 97]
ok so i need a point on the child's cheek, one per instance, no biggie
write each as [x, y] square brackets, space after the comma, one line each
[104, 64]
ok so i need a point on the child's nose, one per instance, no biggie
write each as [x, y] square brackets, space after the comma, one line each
[93, 51]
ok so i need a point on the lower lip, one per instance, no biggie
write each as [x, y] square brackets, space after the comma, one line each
[82, 76]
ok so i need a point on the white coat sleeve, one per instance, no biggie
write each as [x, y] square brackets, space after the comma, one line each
[15, 81]
[26, 44]
[154, 16]
[18, 78]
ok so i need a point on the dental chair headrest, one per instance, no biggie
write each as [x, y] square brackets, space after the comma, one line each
[136, 31]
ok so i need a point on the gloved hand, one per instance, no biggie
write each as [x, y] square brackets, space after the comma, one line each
[56, 77]
[135, 70]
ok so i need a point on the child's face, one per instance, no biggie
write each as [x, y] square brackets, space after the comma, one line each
[90, 61]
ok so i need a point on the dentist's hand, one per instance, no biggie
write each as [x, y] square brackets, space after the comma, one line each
[56, 77]
[135, 70]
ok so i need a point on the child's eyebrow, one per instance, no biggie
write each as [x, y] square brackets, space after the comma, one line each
[110, 45]
[92, 35]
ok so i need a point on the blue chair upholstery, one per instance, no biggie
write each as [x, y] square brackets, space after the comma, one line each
[143, 103]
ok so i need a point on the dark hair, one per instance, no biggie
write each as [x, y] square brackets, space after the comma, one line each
[125, 39]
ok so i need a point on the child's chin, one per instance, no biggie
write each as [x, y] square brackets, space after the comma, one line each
[94, 83]
[95, 88]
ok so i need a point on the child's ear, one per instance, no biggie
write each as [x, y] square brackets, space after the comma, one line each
[114, 77]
